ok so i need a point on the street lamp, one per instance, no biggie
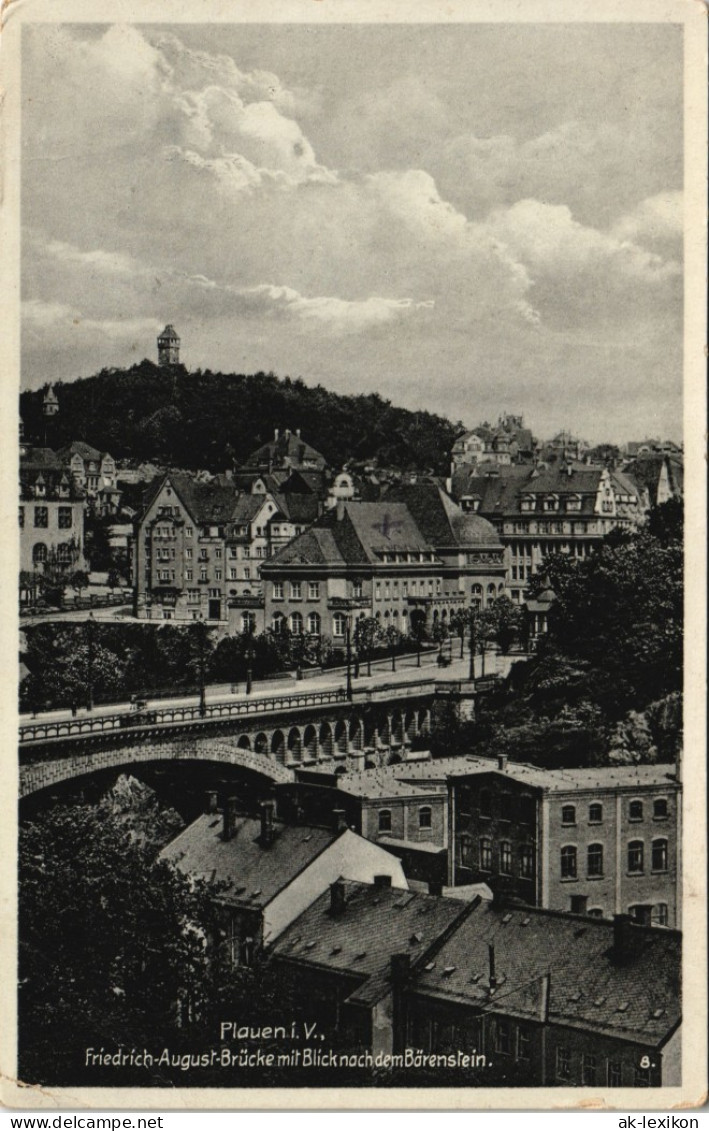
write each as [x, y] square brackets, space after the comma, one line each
[249, 659]
[201, 630]
[348, 656]
[90, 626]
[472, 644]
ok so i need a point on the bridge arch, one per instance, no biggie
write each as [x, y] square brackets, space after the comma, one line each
[278, 746]
[327, 746]
[310, 742]
[295, 745]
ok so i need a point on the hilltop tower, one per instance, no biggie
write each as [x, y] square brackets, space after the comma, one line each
[168, 346]
[50, 404]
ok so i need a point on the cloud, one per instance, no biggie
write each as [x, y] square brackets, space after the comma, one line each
[336, 315]
[657, 219]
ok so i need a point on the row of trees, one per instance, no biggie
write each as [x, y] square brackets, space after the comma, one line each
[70, 663]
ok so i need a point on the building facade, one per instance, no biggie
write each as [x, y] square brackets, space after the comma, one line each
[51, 515]
[384, 561]
[545, 510]
[596, 842]
[94, 473]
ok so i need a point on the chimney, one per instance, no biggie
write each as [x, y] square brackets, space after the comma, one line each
[435, 887]
[339, 820]
[544, 997]
[493, 977]
[267, 824]
[337, 898]
[623, 941]
[382, 881]
[502, 762]
[297, 432]
[276, 433]
[340, 509]
[400, 968]
[287, 433]
[210, 801]
[230, 817]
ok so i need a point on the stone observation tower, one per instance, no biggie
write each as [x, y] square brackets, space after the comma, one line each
[50, 404]
[168, 346]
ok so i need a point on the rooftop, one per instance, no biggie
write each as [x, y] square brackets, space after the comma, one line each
[588, 987]
[569, 780]
[359, 942]
[256, 873]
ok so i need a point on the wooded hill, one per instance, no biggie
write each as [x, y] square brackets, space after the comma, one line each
[215, 420]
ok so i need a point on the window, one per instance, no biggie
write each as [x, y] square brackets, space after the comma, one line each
[385, 820]
[594, 858]
[527, 809]
[64, 553]
[22, 517]
[485, 803]
[278, 591]
[506, 857]
[466, 851]
[563, 1063]
[614, 1074]
[232, 574]
[214, 593]
[188, 552]
[217, 553]
[296, 590]
[595, 912]
[296, 623]
[524, 1043]
[486, 854]
[313, 590]
[635, 857]
[660, 916]
[377, 591]
[659, 855]
[65, 518]
[217, 575]
[595, 814]
[203, 575]
[188, 574]
[188, 532]
[357, 587]
[278, 622]
[526, 861]
[425, 814]
[659, 809]
[503, 1043]
[41, 517]
[314, 624]
[39, 553]
[568, 815]
[635, 811]
[568, 862]
[247, 573]
[338, 625]
[588, 1068]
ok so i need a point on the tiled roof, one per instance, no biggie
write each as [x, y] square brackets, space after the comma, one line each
[245, 507]
[359, 942]
[40, 459]
[316, 546]
[80, 448]
[441, 520]
[298, 508]
[205, 502]
[257, 873]
[661, 776]
[588, 987]
[385, 526]
[288, 445]
[378, 784]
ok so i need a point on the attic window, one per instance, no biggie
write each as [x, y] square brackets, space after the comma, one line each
[526, 921]
[576, 996]
[506, 918]
[430, 966]
[599, 1001]
[362, 954]
[657, 1013]
[623, 1007]
[336, 950]
[448, 970]
[213, 824]
[310, 945]
[255, 893]
[416, 938]
[476, 978]
[307, 838]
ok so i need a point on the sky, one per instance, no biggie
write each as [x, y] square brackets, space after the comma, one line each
[470, 219]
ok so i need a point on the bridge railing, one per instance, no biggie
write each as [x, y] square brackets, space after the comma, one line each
[124, 720]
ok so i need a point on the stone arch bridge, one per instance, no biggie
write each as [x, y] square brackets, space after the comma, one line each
[270, 736]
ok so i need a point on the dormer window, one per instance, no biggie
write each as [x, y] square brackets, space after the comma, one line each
[528, 503]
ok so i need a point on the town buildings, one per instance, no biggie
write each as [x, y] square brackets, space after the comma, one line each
[536, 511]
[413, 557]
[597, 842]
[506, 443]
[51, 515]
[265, 872]
[526, 996]
[94, 473]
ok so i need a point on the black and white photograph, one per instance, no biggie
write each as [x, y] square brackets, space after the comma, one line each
[356, 367]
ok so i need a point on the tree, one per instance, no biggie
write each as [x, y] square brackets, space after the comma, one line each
[367, 635]
[504, 622]
[113, 945]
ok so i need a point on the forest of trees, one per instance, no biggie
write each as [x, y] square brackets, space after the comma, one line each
[215, 420]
